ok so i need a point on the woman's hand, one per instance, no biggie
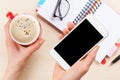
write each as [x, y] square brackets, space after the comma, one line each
[18, 55]
[79, 68]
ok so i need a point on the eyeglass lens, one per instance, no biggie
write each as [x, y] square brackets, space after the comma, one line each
[61, 9]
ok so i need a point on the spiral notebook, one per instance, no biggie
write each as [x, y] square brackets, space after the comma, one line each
[47, 9]
[81, 8]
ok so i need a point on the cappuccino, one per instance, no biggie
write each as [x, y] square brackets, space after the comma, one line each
[24, 29]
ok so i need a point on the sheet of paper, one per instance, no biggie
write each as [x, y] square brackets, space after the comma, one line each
[111, 21]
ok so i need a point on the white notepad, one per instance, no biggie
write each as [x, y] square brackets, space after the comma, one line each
[111, 21]
[78, 10]
[47, 9]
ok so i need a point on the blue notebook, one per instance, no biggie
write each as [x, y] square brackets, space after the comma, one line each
[81, 8]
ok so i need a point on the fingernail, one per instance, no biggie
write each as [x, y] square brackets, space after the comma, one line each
[41, 42]
[60, 36]
[96, 48]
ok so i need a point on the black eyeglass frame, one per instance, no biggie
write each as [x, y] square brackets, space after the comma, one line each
[59, 12]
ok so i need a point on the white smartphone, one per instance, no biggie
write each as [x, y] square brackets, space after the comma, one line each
[78, 42]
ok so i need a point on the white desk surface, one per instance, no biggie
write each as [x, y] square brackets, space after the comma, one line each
[40, 66]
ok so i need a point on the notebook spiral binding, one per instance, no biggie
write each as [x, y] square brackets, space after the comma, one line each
[90, 7]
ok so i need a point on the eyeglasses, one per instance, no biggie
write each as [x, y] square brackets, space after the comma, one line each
[61, 9]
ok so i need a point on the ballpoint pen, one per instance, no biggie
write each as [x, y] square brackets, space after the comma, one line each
[115, 60]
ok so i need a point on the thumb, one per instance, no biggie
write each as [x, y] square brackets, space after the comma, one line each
[81, 67]
[33, 47]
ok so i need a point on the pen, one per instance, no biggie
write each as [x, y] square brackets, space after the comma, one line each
[116, 59]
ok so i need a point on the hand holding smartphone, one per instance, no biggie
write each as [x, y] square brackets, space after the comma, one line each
[75, 45]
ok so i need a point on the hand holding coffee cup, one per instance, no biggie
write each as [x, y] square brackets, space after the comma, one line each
[24, 29]
[18, 54]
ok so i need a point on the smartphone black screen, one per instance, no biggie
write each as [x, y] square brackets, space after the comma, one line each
[78, 42]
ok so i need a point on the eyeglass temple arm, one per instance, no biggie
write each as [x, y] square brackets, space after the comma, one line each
[56, 8]
[59, 11]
